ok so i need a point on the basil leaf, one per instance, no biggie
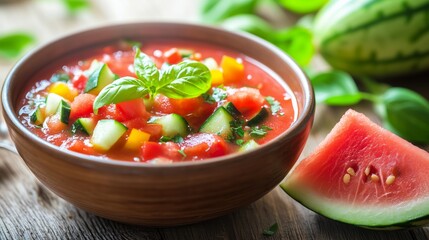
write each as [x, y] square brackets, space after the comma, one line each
[335, 88]
[271, 230]
[12, 45]
[296, 41]
[214, 11]
[249, 23]
[406, 114]
[123, 89]
[145, 69]
[187, 79]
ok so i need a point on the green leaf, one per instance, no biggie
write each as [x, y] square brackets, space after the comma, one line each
[335, 88]
[75, 5]
[406, 114]
[249, 23]
[302, 6]
[258, 132]
[274, 105]
[146, 69]
[12, 45]
[214, 11]
[123, 89]
[271, 230]
[296, 41]
[60, 77]
[187, 79]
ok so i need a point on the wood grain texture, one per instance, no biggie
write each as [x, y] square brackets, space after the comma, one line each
[29, 211]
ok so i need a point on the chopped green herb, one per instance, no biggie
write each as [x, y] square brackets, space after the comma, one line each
[182, 153]
[239, 142]
[237, 128]
[176, 139]
[74, 6]
[259, 131]
[208, 98]
[274, 104]
[271, 230]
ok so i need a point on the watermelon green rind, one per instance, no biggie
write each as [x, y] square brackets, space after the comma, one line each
[375, 37]
[317, 181]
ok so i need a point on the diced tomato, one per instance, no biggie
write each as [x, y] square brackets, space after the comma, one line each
[111, 111]
[155, 131]
[54, 124]
[247, 100]
[81, 106]
[133, 109]
[80, 146]
[194, 110]
[172, 56]
[204, 145]
[168, 150]
[79, 81]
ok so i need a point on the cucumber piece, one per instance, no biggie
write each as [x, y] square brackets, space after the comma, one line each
[63, 111]
[52, 102]
[219, 123]
[258, 117]
[85, 125]
[172, 124]
[106, 133]
[248, 146]
[99, 78]
[37, 117]
[229, 106]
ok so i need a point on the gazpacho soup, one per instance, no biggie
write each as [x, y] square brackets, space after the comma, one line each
[156, 102]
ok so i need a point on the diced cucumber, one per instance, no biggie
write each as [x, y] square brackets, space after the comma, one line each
[219, 123]
[52, 102]
[99, 78]
[258, 117]
[85, 125]
[172, 124]
[37, 116]
[211, 63]
[249, 146]
[63, 111]
[229, 106]
[106, 133]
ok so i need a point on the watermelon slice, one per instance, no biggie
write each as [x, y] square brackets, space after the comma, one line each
[364, 175]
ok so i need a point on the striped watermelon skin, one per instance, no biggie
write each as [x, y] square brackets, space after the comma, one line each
[375, 38]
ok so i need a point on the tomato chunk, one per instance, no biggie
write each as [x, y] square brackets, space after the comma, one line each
[152, 150]
[111, 111]
[81, 106]
[172, 56]
[247, 100]
[133, 109]
[204, 145]
[194, 110]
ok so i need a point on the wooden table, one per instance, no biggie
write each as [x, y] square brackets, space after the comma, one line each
[29, 211]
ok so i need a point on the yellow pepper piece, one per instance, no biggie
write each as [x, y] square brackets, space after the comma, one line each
[232, 69]
[64, 90]
[136, 139]
[217, 77]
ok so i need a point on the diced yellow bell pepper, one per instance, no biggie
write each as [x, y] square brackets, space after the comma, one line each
[232, 69]
[217, 77]
[136, 139]
[64, 90]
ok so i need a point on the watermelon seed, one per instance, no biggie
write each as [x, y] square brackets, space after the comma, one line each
[374, 178]
[367, 171]
[351, 171]
[390, 179]
[346, 178]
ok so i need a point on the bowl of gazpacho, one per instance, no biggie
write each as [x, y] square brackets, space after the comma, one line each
[158, 124]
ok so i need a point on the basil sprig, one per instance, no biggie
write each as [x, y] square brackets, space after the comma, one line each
[402, 111]
[187, 79]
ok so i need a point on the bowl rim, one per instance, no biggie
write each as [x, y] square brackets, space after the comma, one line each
[304, 116]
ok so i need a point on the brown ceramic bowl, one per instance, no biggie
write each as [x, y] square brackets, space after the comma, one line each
[168, 194]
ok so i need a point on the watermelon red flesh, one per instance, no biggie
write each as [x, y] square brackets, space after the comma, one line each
[389, 183]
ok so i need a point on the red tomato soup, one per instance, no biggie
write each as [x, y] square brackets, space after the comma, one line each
[157, 102]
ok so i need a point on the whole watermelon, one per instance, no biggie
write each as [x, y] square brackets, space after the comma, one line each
[375, 38]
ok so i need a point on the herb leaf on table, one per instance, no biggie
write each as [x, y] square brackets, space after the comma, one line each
[12, 45]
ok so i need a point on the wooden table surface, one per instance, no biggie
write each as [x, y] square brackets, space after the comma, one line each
[29, 211]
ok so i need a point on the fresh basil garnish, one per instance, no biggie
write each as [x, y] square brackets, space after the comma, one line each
[187, 79]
